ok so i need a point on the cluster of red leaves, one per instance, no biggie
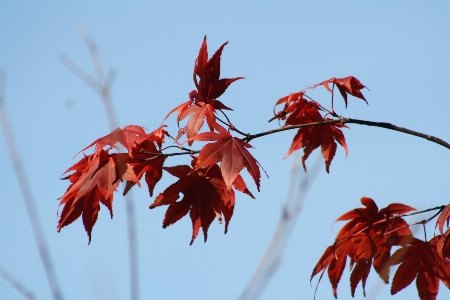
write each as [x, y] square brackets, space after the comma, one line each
[367, 240]
[298, 110]
[205, 196]
[203, 101]
[208, 188]
[98, 175]
[208, 185]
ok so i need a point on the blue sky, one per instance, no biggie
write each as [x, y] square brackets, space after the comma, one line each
[401, 51]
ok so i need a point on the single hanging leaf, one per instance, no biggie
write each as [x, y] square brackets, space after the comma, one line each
[325, 136]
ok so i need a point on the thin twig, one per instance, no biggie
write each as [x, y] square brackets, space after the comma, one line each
[28, 198]
[102, 87]
[16, 284]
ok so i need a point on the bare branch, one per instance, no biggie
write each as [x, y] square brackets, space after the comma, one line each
[16, 284]
[28, 198]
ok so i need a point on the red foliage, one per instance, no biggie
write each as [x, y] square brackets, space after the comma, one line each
[98, 175]
[299, 111]
[348, 85]
[230, 151]
[419, 261]
[203, 101]
[367, 239]
[209, 188]
[205, 197]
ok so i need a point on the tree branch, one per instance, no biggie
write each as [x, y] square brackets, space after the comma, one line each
[343, 120]
[400, 129]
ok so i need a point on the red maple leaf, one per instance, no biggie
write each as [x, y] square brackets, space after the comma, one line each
[203, 101]
[95, 179]
[200, 111]
[210, 85]
[348, 85]
[205, 197]
[127, 137]
[299, 111]
[147, 160]
[311, 137]
[231, 152]
[367, 239]
[419, 261]
[97, 176]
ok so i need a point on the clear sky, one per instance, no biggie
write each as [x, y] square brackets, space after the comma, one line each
[400, 50]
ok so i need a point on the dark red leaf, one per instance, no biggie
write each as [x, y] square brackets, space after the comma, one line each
[348, 85]
[367, 239]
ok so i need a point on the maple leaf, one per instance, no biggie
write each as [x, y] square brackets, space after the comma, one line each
[419, 261]
[299, 111]
[97, 176]
[210, 86]
[312, 137]
[230, 151]
[293, 104]
[147, 160]
[157, 136]
[367, 239]
[348, 85]
[199, 113]
[205, 197]
[127, 137]
[94, 181]
[203, 102]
